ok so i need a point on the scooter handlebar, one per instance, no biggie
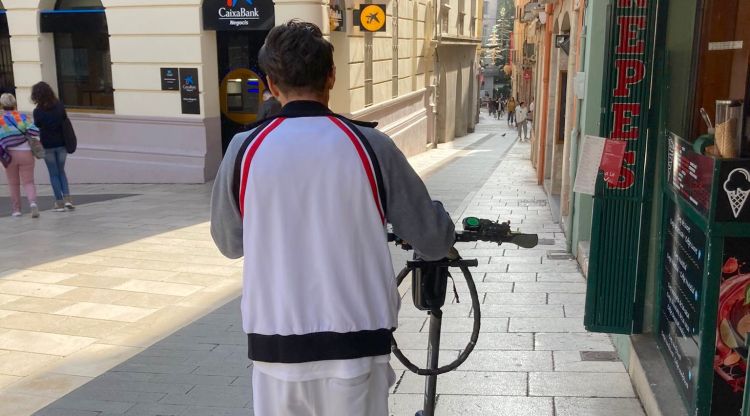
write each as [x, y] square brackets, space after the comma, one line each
[476, 229]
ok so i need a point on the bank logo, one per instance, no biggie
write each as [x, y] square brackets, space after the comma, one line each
[233, 3]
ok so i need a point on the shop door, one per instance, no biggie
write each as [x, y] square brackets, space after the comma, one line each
[241, 82]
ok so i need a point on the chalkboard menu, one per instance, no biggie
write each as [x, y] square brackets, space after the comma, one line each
[682, 290]
[689, 173]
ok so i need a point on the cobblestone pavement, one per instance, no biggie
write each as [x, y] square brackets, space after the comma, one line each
[107, 311]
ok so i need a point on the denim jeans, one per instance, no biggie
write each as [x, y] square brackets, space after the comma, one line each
[55, 160]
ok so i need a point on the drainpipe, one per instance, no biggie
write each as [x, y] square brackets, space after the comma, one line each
[545, 95]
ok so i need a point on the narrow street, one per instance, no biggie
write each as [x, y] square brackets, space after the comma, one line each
[90, 325]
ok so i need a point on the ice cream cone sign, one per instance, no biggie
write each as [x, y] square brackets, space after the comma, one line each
[737, 188]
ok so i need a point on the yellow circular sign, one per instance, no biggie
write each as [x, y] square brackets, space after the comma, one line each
[372, 17]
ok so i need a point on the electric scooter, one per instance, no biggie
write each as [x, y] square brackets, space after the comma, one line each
[429, 288]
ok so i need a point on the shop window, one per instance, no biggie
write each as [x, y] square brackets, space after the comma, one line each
[84, 72]
[723, 60]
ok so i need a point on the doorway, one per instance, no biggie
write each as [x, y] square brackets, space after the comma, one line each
[7, 83]
[241, 81]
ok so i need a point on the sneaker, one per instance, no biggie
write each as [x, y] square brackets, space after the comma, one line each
[69, 204]
[16, 214]
[34, 211]
[59, 207]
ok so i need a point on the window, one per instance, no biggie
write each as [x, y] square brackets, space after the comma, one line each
[84, 68]
[7, 82]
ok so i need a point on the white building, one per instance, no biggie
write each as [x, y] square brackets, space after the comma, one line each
[120, 67]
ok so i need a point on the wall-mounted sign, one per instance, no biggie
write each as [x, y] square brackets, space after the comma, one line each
[170, 79]
[336, 12]
[732, 203]
[238, 14]
[371, 17]
[189, 91]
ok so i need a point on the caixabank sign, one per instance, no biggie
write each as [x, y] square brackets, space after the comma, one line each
[238, 14]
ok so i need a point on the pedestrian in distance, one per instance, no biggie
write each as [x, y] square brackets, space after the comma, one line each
[270, 107]
[511, 111]
[49, 116]
[16, 131]
[492, 106]
[521, 123]
[318, 316]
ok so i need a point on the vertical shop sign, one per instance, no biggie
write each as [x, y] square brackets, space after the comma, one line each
[189, 91]
[630, 69]
[617, 243]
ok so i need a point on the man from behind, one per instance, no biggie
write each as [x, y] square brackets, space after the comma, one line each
[305, 196]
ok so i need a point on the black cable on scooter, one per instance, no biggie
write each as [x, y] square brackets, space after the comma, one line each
[474, 334]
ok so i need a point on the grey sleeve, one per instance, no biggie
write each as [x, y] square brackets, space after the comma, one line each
[415, 217]
[226, 221]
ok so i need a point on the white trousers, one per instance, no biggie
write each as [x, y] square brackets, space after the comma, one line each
[366, 395]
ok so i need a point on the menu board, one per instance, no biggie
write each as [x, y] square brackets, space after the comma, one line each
[682, 290]
[689, 173]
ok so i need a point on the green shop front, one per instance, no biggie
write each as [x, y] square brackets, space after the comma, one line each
[670, 247]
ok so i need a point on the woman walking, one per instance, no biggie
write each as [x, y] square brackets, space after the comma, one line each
[48, 116]
[16, 155]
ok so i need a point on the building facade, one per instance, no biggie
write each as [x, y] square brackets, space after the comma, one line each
[664, 235]
[157, 88]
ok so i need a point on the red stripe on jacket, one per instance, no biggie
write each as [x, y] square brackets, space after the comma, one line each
[248, 158]
[366, 162]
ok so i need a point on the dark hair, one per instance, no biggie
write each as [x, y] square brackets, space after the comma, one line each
[43, 96]
[297, 57]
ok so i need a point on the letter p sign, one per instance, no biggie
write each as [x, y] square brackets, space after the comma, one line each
[629, 73]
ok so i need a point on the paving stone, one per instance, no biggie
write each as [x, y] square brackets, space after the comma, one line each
[65, 412]
[574, 311]
[554, 287]
[19, 363]
[576, 277]
[573, 341]
[106, 312]
[566, 267]
[523, 361]
[577, 406]
[405, 404]
[468, 383]
[34, 276]
[212, 396]
[571, 361]
[159, 288]
[49, 384]
[487, 341]
[42, 343]
[39, 290]
[510, 277]
[566, 299]
[155, 409]
[562, 383]
[522, 311]
[546, 325]
[92, 405]
[450, 405]
[515, 299]
[215, 411]
[465, 325]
